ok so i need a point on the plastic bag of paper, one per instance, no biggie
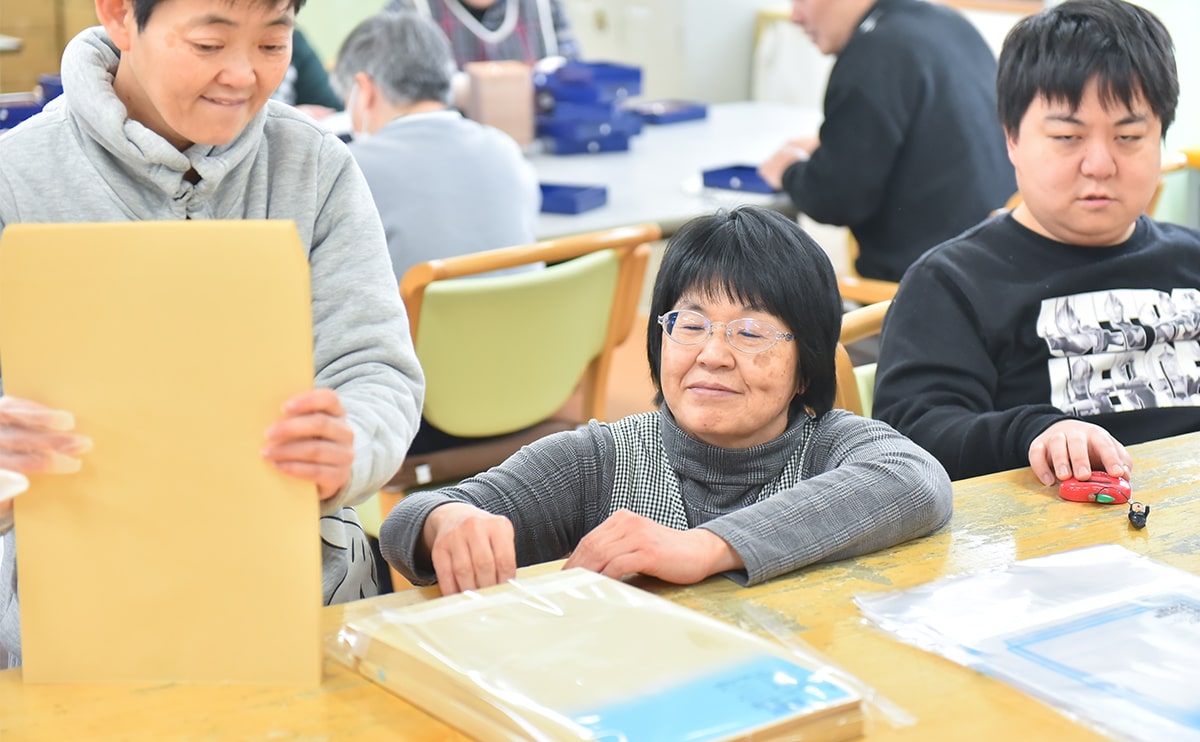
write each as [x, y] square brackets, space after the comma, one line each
[574, 655]
[1107, 636]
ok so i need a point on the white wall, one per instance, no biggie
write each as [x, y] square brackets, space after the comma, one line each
[1180, 200]
[691, 49]
[789, 68]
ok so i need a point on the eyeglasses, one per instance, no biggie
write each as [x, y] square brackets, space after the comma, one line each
[747, 335]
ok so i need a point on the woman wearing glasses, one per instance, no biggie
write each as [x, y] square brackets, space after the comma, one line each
[746, 470]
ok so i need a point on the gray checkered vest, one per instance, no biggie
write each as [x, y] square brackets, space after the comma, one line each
[645, 483]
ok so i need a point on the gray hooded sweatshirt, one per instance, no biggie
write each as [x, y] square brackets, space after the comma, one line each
[83, 160]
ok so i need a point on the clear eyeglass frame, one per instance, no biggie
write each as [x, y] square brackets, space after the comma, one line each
[751, 336]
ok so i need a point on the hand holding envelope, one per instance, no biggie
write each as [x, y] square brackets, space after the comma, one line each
[310, 441]
[34, 439]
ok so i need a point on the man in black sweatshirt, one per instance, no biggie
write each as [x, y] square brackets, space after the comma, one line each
[910, 153]
[1058, 333]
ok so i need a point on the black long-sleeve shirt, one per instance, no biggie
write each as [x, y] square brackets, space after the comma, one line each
[911, 150]
[1000, 333]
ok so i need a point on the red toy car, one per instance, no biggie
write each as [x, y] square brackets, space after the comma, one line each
[1101, 488]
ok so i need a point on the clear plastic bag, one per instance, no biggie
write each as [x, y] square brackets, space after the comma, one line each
[1108, 637]
[574, 655]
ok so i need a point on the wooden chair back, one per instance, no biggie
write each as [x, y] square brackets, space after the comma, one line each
[855, 385]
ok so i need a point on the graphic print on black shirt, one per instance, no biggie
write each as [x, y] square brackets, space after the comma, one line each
[1122, 350]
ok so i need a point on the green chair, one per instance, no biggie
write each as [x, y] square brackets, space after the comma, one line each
[504, 354]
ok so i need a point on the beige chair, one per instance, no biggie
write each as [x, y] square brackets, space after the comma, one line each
[518, 356]
[854, 287]
[856, 384]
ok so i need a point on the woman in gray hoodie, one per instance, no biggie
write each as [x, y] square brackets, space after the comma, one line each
[165, 115]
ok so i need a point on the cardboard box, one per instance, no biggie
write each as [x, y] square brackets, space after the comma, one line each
[40, 53]
[501, 95]
[76, 16]
[19, 16]
[44, 28]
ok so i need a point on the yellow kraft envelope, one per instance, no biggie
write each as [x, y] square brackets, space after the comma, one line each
[177, 553]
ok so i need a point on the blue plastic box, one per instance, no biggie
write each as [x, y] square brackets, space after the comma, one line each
[591, 145]
[670, 111]
[50, 86]
[558, 198]
[591, 82]
[16, 107]
[584, 111]
[737, 178]
[625, 122]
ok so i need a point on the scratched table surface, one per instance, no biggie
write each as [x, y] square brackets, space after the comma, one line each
[998, 519]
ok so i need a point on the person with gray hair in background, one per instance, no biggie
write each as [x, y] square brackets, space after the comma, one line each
[444, 185]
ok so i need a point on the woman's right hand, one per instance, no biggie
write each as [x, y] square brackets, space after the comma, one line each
[469, 548]
[35, 439]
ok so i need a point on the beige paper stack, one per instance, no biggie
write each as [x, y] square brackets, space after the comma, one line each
[574, 655]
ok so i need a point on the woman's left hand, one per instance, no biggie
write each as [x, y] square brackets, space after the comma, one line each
[313, 441]
[627, 544]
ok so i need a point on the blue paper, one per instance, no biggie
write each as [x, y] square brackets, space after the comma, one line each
[751, 694]
[737, 178]
[670, 111]
[572, 199]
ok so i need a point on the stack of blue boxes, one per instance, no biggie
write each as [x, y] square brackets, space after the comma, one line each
[581, 107]
[16, 107]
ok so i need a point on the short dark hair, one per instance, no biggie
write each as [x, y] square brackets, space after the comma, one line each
[762, 259]
[143, 8]
[1057, 52]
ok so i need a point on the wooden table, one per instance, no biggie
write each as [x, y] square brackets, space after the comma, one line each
[998, 519]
